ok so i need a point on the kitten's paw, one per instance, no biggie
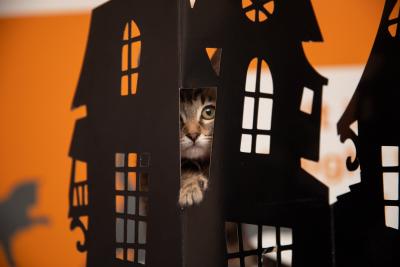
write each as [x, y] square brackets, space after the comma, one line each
[190, 194]
[193, 192]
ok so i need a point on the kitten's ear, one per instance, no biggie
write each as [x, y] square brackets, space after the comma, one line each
[216, 60]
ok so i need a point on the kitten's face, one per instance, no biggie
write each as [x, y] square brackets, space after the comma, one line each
[197, 112]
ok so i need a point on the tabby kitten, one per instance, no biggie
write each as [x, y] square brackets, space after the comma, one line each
[197, 113]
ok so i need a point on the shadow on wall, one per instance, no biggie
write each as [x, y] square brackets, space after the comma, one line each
[14, 215]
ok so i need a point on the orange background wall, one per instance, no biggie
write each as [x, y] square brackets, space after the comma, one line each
[40, 60]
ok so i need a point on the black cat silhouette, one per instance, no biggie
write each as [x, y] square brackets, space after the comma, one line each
[14, 215]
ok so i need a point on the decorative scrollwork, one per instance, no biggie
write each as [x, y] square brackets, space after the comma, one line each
[345, 135]
[76, 223]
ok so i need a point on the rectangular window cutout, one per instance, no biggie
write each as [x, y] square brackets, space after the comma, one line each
[132, 159]
[264, 114]
[80, 171]
[273, 256]
[233, 263]
[250, 81]
[120, 204]
[390, 156]
[245, 143]
[263, 144]
[249, 235]
[145, 160]
[268, 236]
[286, 257]
[119, 160]
[307, 100]
[124, 85]
[131, 205]
[248, 113]
[135, 52]
[142, 256]
[143, 206]
[130, 255]
[119, 253]
[119, 230]
[86, 194]
[286, 236]
[232, 238]
[119, 181]
[79, 112]
[124, 62]
[131, 181]
[142, 232]
[134, 80]
[144, 182]
[391, 185]
[75, 199]
[81, 194]
[250, 260]
[130, 237]
[392, 217]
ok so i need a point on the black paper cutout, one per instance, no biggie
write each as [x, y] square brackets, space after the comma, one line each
[137, 123]
[362, 238]
[14, 216]
[259, 189]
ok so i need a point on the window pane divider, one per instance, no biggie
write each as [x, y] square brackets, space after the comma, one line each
[132, 40]
[391, 202]
[130, 71]
[256, 131]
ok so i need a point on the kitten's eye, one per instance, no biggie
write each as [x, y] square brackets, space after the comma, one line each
[208, 112]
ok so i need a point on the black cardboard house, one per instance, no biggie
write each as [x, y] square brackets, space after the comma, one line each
[363, 231]
[129, 139]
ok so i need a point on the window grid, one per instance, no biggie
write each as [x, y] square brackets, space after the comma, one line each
[130, 69]
[261, 250]
[125, 164]
[391, 167]
[255, 96]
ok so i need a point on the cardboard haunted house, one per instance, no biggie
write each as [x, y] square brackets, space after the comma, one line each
[140, 54]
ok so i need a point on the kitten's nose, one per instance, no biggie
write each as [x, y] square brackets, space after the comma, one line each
[193, 136]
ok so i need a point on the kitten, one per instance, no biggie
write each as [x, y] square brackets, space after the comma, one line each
[197, 113]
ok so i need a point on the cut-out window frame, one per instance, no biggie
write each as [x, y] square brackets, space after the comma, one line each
[258, 11]
[278, 246]
[130, 52]
[130, 169]
[258, 107]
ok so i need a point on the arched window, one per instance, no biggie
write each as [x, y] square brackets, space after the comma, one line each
[257, 109]
[258, 10]
[130, 59]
